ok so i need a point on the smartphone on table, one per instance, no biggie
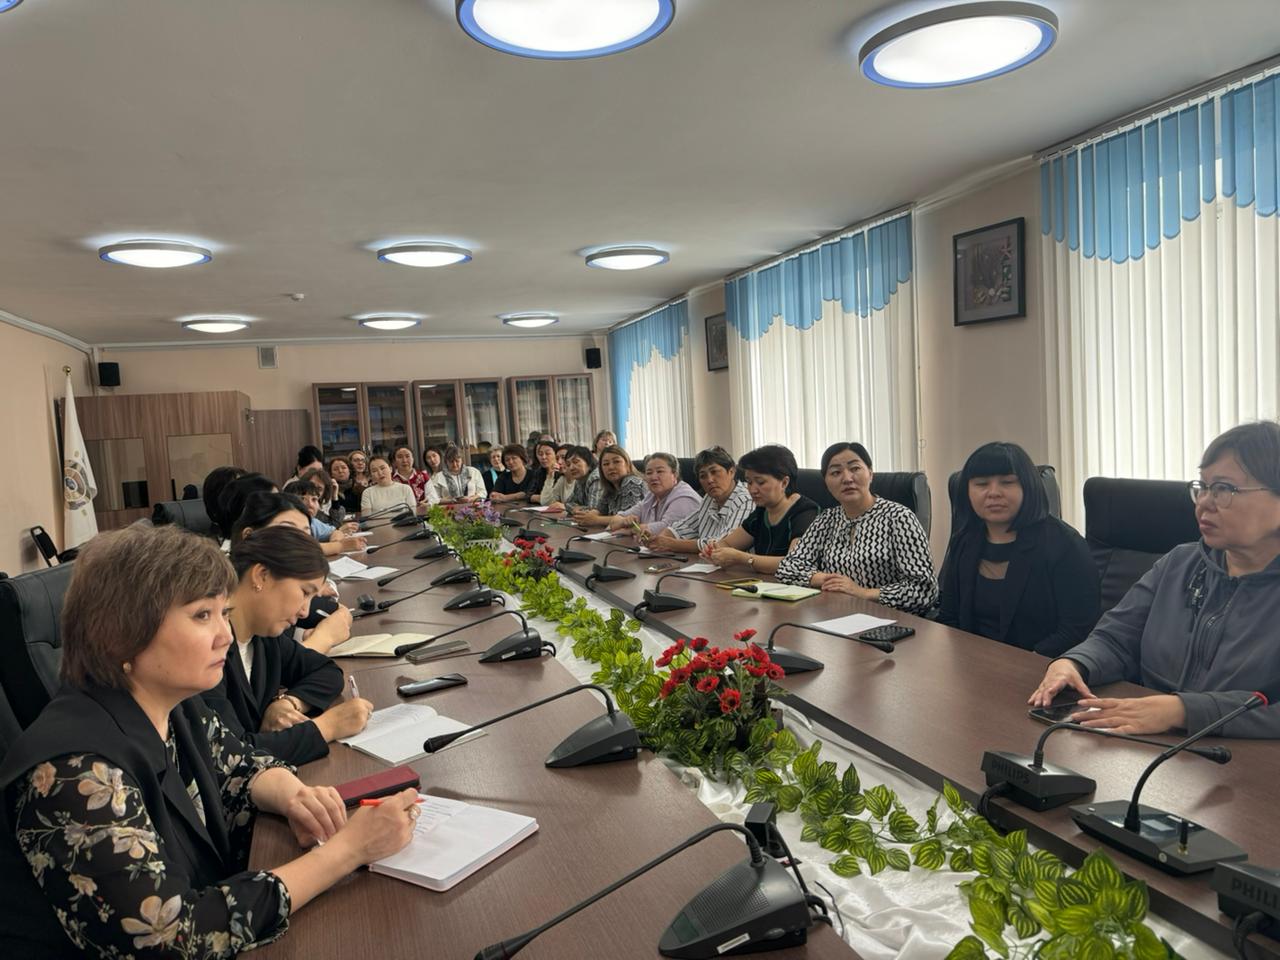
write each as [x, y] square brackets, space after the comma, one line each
[1060, 712]
[416, 687]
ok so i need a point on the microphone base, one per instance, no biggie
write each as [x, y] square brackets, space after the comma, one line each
[747, 909]
[479, 597]
[1038, 789]
[793, 662]
[431, 552]
[406, 522]
[521, 645]
[456, 575]
[656, 602]
[574, 556]
[1157, 840]
[602, 740]
[604, 574]
[1246, 887]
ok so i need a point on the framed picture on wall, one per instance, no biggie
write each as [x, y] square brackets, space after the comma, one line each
[717, 343]
[990, 273]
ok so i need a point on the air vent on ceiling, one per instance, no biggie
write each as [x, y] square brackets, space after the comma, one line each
[266, 358]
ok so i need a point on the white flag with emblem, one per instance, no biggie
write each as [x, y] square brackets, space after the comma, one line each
[78, 486]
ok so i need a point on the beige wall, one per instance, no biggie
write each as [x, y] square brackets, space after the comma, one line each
[195, 369]
[31, 492]
[982, 382]
[710, 388]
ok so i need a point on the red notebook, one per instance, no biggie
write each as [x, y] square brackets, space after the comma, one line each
[381, 784]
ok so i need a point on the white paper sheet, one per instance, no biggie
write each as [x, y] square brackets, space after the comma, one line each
[344, 567]
[700, 568]
[854, 623]
[371, 573]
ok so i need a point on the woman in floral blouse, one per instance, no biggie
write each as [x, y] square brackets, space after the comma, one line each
[127, 807]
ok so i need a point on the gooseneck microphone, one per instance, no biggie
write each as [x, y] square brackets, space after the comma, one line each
[604, 739]
[655, 601]
[416, 535]
[574, 556]
[404, 573]
[793, 662]
[1170, 842]
[457, 575]
[754, 905]
[377, 514]
[604, 573]
[1033, 783]
[524, 644]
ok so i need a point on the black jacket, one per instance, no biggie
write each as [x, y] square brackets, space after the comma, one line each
[1050, 595]
[279, 663]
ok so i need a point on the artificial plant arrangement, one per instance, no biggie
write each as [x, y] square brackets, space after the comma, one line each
[466, 522]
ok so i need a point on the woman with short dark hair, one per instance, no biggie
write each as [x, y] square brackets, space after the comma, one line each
[214, 483]
[1198, 625]
[153, 797]
[579, 486]
[517, 483]
[868, 547]
[669, 499]
[724, 506]
[780, 518]
[544, 452]
[1012, 572]
[348, 490]
[419, 481]
[232, 499]
[385, 493]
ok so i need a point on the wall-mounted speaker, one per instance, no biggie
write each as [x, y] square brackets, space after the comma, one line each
[593, 358]
[108, 374]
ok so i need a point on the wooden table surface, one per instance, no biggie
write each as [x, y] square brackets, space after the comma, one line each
[595, 823]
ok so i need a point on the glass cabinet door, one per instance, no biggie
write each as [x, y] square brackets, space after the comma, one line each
[388, 411]
[530, 407]
[575, 415]
[338, 418]
[438, 421]
[483, 423]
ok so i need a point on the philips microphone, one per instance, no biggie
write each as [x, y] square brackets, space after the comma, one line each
[479, 597]
[1031, 782]
[655, 601]
[753, 906]
[404, 573]
[573, 556]
[793, 662]
[603, 573]
[524, 644]
[1170, 842]
[606, 738]
[416, 535]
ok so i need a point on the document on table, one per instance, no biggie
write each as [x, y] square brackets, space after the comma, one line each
[344, 567]
[602, 535]
[395, 734]
[377, 644]
[768, 590]
[370, 573]
[854, 623]
[452, 840]
[700, 568]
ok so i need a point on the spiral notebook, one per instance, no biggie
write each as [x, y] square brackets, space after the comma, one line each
[452, 840]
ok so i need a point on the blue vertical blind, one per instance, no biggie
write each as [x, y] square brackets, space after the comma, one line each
[632, 346]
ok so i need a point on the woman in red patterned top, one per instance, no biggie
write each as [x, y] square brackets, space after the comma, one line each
[418, 480]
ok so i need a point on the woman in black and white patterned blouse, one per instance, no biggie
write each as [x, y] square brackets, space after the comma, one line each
[868, 546]
[126, 808]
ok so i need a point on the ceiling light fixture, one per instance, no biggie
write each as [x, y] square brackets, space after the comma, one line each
[564, 29]
[388, 321]
[215, 323]
[627, 258]
[8, 4]
[425, 254]
[528, 320]
[158, 254]
[959, 44]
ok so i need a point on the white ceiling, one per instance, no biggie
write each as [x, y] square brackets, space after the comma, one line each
[290, 134]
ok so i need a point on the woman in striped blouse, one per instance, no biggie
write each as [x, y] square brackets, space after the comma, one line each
[868, 547]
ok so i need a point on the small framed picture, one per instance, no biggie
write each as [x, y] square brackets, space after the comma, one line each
[990, 273]
[717, 343]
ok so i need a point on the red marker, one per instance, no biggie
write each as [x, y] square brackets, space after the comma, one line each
[377, 802]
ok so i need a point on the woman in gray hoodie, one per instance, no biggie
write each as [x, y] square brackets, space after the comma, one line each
[1199, 625]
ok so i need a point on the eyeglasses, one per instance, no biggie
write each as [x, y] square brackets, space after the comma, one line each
[1220, 492]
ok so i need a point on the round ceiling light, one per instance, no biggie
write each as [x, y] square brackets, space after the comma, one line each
[627, 258]
[215, 323]
[424, 254]
[157, 254]
[564, 29]
[8, 4]
[959, 44]
[529, 320]
[388, 321]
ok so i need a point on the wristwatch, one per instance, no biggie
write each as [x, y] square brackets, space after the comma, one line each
[751, 561]
[297, 704]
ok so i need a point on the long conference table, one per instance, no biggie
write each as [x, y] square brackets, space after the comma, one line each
[931, 708]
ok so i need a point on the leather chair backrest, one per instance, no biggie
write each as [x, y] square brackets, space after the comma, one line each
[688, 474]
[1130, 524]
[1048, 479]
[31, 638]
[9, 726]
[909, 489]
[189, 514]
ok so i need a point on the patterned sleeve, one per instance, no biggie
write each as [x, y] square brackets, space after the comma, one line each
[739, 509]
[686, 528]
[630, 493]
[802, 562]
[236, 764]
[91, 845]
[915, 590]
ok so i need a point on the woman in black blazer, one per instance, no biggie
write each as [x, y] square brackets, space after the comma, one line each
[1012, 572]
[271, 684]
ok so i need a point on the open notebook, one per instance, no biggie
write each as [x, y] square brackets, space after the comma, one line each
[452, 840]
[778, 591]
[376, 644]
[395, 734]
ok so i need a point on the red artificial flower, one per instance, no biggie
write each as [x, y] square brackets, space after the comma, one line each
[742, 636]
[757, 671]
[719, 661]
[757, 654]
[506, 562]
[681, 674]
[730, 700]
[699, 643]
[708, 684]
[699, 664]
[664, 660]
[666, 689]
[775, 672]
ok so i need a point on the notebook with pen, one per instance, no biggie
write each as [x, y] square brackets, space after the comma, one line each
[376, 644]
[778, 591]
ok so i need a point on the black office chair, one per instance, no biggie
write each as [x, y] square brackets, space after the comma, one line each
[1130, 524]
[688, 474]
[1048, 479]
[46, 548]
[9, 726]
[31, 638]
[911, 489]
[189, 514]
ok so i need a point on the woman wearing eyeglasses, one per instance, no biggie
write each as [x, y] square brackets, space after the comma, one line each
[1199, 625]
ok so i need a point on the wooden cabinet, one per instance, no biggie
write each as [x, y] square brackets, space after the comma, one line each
[468, 413]
[375, 417]
[561, 405]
